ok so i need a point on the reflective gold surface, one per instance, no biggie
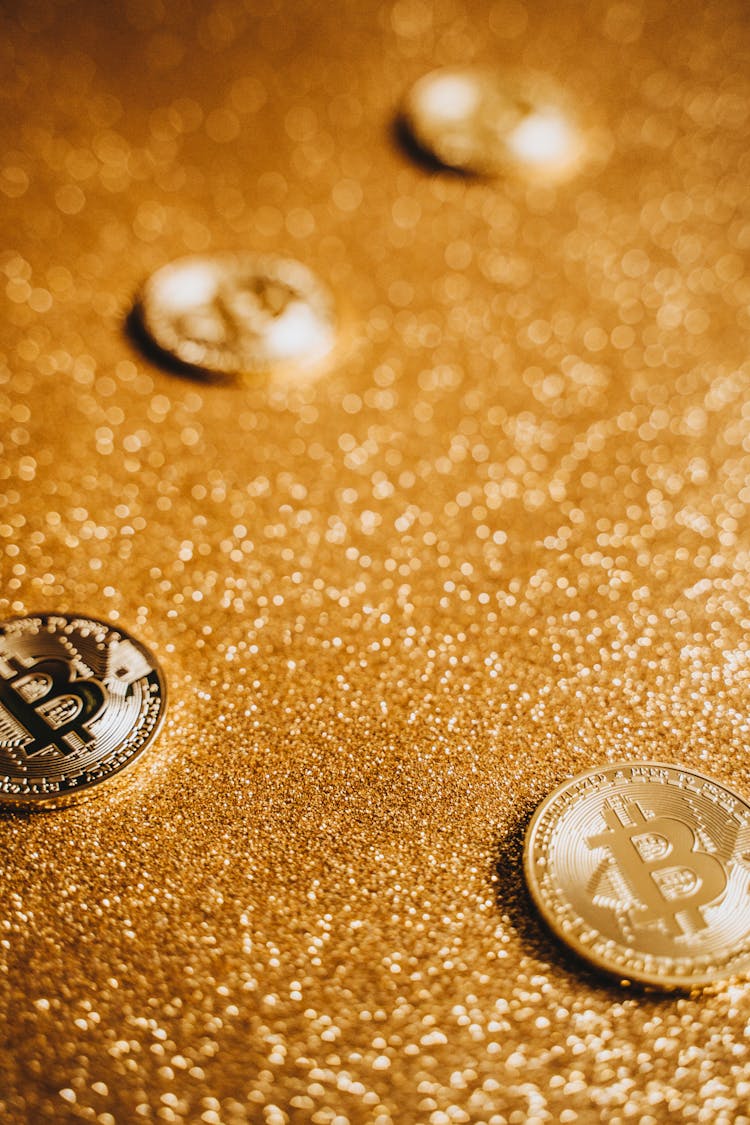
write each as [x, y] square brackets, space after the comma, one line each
[642, 868]
[493, 122]
[237, 314]
[504, 540]
[80, 701]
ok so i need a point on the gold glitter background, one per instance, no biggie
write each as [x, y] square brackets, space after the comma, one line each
[503, 539]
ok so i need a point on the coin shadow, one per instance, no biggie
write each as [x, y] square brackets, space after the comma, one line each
[136, 333]
[404, 140]
[514, 902]
[11, 814]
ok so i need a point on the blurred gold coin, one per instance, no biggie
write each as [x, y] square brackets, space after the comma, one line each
[644, 870]
[238, 313]
[478, 120]
[80, 701]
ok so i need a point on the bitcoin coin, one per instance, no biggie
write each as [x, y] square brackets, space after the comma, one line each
[644, 870]
[234, 314]
[481, 121]
[80, 701]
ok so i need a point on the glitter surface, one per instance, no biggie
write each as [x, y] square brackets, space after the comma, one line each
[502, 540]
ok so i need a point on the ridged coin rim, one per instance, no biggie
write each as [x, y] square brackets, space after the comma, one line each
[172, 345]
[47, 802]
[533, 87]
[663, 981]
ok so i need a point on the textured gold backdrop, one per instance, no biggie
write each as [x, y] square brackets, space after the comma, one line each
[504, 539]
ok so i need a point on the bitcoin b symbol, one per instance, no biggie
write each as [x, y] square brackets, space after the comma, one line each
[52, 706]
[664, 870]
[237, 310]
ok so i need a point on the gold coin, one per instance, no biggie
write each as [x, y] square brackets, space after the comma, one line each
[79, 702]
[481, 121]
[238, 313]
[644, 870]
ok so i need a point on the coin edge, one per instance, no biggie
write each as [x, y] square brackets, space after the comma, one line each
[668, 982]
[51, 802]
[172, 351]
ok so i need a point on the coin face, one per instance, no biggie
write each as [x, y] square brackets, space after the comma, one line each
[482, 121]
[79, 702]
[644, 870]
[238, 313]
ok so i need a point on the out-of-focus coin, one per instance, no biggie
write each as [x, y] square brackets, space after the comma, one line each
[644, 870]
[79, 702]
[238, 313]
[486, 122]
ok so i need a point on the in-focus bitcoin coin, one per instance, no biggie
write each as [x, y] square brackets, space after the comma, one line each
[481, 121]
[644, 870]
[80, 701]
[235, 314]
